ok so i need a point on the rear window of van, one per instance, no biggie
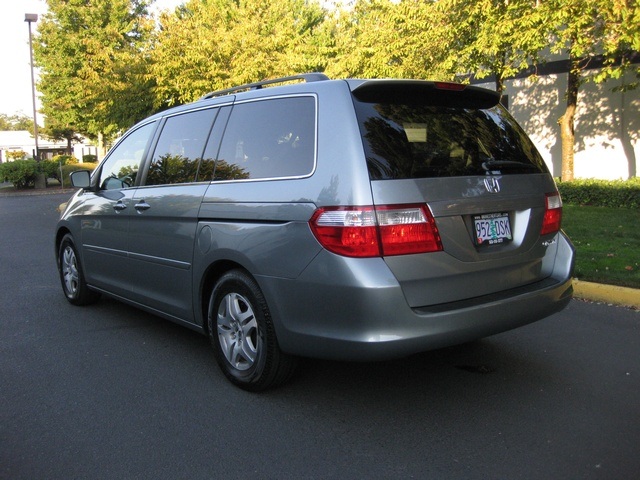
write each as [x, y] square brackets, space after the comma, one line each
[423, 135]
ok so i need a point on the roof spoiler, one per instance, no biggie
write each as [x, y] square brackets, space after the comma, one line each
[422, 91]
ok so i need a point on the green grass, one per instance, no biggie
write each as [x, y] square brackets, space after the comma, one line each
[607, 242]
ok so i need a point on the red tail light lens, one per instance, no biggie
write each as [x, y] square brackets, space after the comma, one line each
[347, 231]
[552, 214]
[456, 87]
[373, 232]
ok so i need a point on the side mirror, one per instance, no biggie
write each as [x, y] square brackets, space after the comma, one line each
[80, 179]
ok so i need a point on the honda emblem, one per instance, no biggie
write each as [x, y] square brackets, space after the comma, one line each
[492, 185]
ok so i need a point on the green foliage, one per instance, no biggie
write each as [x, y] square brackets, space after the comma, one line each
[210, 45]
[50, 168]
[607, 242]
[64, 159]
[489, 37]
[16, 155]
[602, 193]
[584, 29]
[16, 122]
[22, 173]
[89, 158]
[440, 40]
[93, 61]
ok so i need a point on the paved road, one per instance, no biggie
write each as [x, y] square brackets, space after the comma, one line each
[109, 392]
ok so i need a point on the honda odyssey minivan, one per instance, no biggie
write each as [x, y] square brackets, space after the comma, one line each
[336, 219]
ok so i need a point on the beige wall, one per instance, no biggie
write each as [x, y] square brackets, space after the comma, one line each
[607, 124]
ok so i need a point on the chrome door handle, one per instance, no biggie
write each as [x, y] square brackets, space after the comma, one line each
[141, 206]
[119, 206]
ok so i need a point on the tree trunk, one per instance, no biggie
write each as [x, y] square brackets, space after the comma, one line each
[102, 148]
[567, 133]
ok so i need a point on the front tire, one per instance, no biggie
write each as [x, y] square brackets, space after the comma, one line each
[242, 334]
[74, 285]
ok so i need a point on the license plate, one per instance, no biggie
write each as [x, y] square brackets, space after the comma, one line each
[492, 228]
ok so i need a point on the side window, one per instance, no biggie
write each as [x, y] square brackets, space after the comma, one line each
[179, 149]
[269, 139]
[120, 169]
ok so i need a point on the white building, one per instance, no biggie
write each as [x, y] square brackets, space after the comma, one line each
[607, 121]
[22, 140]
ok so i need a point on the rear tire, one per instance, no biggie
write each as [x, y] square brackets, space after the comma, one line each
[74, 285]
[243, 337]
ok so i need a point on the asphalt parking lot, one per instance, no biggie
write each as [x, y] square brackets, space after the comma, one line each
[110, 392]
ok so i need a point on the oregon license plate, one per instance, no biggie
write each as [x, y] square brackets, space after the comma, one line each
[492, 228]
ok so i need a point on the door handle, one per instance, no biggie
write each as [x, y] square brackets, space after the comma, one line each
[119, 206]
[141, 206]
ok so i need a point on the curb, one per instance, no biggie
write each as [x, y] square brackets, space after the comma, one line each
[612, 294]
[35, 192]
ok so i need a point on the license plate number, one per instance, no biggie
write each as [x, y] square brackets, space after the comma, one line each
[492, 228]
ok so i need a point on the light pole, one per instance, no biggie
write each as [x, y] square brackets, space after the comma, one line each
[29, 18]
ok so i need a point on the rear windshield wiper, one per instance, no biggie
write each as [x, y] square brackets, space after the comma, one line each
[495, 165]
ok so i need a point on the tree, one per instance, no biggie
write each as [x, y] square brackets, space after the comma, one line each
[483, 38]
[585, 30]
[440, 40]
[58, 132]
[93, 59]
[16, 122]
[215, 44]
[388, 39]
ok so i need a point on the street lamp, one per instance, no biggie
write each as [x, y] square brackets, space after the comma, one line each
[29, 18]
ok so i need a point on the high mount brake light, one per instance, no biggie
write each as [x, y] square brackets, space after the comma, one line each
[552, 214]
[376, 231]
[456, 87]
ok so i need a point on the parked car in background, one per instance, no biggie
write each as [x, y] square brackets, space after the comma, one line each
[337, 219]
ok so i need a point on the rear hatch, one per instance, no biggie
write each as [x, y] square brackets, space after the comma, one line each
[456, 150]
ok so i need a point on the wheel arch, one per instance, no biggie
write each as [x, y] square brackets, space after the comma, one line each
[210, 277]
[60, 234]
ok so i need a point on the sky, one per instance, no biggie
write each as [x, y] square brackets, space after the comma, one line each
[15, 67]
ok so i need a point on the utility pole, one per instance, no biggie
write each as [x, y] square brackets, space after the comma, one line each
[29, 18]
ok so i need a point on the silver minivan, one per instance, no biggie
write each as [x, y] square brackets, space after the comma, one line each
[336, 219]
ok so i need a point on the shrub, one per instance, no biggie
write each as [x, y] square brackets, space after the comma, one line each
[50, 168]
[16, 155]
[602, 193]
[90, 158]
[64, 159]
[22, 173]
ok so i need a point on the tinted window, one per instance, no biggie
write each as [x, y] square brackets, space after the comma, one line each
[179, 150]
[408, 138]
[267, 139]
[120, 169]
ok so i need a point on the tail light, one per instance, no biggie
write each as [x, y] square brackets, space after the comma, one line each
[376, 231]
[552, 214]
[455, 87]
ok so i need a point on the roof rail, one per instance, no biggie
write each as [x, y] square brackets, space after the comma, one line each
[307, 77]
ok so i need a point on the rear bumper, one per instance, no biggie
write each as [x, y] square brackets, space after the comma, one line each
[366, 317]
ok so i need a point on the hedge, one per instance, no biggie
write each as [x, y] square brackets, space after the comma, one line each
[601, 193]
[22, 173]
